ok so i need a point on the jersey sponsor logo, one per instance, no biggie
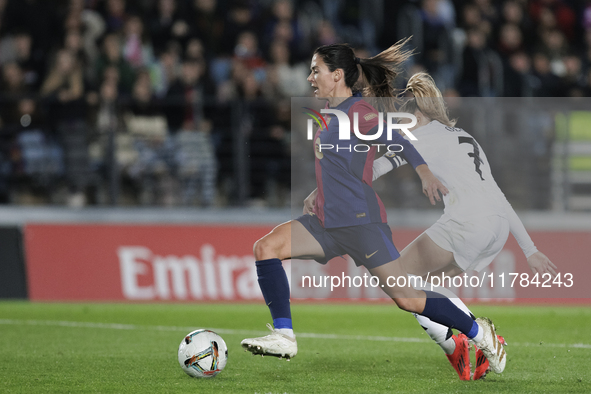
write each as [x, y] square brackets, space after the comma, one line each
[370, 116]
[360, 215]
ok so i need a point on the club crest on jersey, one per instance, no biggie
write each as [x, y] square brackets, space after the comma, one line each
[318, 150]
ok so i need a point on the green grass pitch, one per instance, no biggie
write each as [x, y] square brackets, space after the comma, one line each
[343, 348]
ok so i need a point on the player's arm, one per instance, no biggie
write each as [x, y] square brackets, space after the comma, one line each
[431, 185]
[537, 261]
[310, 202]
[387, 163]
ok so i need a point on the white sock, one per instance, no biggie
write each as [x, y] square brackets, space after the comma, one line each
[448, 346]
[478, 336]
[438, 333]
[286, 331]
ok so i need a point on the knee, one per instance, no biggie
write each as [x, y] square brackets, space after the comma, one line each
[264, 249]
[404, 303]
[408, 304]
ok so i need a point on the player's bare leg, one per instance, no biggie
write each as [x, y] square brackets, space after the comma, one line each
[290, 239]
[424, 256]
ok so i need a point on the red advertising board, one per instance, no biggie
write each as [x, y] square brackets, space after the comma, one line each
[206, 263]
[144, 263]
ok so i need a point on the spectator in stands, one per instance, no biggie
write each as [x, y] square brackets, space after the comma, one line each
[168, 23]
[37, 159]
[555, 47]
[284, 79]
[487, 10]
[473, 58]
[517, 75]
[240, 18]
[137, 49]
[18, 48]
[152, 171]
[63, 91]
[196, 164]
[548, 84]
[91, 27]
[143, 101]
[195, 153]
[472, 19]
[13, 80]
[207, 24]
[247, 51]
[186, 96]
[435, 37]
[195, 49]
[270, 166]
[564, 18]
[573, 80]
[510, 40]
[115, 15]
[513, 13]
[325, 35]
[111, 56]
[165, 70]
[3, 4]
[39, 19]
[13, 87]
[73, 43]
[284, 25]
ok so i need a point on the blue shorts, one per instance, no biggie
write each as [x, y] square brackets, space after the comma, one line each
[368, 244]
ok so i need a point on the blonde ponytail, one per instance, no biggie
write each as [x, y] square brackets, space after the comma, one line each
[427, 99]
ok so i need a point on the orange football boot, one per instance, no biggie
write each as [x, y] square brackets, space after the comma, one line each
[460, 359]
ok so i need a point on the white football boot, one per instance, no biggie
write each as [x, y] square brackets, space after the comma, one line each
[274, 344]
[490, 345]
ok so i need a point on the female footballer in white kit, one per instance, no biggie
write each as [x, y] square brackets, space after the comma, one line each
[477, 218]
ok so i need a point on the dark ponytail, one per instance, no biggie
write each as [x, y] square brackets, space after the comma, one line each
[379, 71]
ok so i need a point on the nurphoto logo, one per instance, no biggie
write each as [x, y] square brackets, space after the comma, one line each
[392, 119]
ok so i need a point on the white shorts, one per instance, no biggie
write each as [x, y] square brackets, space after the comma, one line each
[474, 243]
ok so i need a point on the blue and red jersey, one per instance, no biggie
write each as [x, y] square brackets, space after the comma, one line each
[344, 176]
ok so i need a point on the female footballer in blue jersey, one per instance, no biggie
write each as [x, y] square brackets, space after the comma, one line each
[349, 218]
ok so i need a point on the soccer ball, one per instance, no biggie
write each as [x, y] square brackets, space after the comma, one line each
[203, 354]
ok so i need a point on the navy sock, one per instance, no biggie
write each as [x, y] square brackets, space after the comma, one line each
[275, 288]
[441, 310]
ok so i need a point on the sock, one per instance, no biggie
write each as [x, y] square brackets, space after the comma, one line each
[478, 335]
[442, 310]
[286, 331]
[275, 288]
[441, 334]
[448, 346]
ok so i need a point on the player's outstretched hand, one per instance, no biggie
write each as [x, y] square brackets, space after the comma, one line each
[310, 202]
[431, 185]
[540, 264]
[432, 188]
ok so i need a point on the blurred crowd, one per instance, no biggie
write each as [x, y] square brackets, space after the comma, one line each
[187, 102]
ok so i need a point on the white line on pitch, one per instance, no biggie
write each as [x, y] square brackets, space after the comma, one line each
[225, 331]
